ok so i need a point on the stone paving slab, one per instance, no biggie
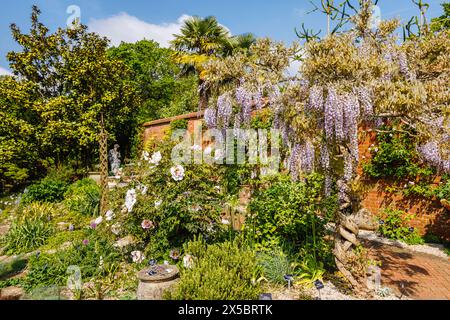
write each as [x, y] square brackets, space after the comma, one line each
[414, 274]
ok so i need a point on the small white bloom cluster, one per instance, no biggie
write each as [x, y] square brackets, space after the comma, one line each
[130, 199]
[177, 173]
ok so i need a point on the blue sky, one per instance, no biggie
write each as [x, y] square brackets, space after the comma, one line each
[132, 20]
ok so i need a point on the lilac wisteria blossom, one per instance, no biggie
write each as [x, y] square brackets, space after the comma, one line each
[315, 101]
[210, 117]
[224, 110]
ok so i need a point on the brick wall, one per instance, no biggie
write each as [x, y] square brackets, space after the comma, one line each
[430, 215]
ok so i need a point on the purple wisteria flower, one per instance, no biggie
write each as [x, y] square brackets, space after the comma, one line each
[210, 117]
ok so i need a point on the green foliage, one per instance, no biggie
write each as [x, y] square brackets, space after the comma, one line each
[275, 265]
[157, 78]
[394, 157]
[51, 269]
[83, 197]
[27, 235]
[443, 191]
[263, 119]
[442, 22]
[180, 124]
[394, 226]
[224, 271]
[47, 190]
[65, 81]
[12, 267]
[285, 211]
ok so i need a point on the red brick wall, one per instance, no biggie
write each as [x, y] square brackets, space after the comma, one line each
[430, 216]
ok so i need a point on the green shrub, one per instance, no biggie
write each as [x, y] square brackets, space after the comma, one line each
[285, 212]
[394, 225]
[180, 124]
[27, 235]
[51, 269]
[224, 271]
[47, 190]
[275, 265]
[83, 197]
[443, 191]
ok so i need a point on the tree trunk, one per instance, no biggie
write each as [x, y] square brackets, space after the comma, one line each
[103, 154]
[346, 238]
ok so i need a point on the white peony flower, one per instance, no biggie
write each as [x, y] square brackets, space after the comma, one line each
[177, 173]
[109, 215]
[130, 199]
[156, 158]
[145, 156]
[137, 256]
[116, 228]
[98, 220]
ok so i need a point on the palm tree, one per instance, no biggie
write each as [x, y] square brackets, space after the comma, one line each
[202, 39]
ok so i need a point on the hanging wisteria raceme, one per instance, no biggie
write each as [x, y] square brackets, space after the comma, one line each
[330, 113]
[351, 110]
[315, 101]
[339, 125]
[258, 99]
[307, 157]
[404, 67]
[210, 117]
[324, 156]
[294, 160]
[365, 98]
[430, 153]
[348, 167]
[224, 110]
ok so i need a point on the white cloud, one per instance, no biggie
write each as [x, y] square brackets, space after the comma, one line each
[123, 27]
[5, 72]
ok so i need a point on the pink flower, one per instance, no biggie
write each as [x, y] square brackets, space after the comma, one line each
[147, 224]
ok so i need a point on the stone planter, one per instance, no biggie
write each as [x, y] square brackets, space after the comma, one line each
[153, 287]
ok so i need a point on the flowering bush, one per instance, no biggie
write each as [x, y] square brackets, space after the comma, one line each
[168, 204]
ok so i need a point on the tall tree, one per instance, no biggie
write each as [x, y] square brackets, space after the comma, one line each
[68, 81]
[202, 39]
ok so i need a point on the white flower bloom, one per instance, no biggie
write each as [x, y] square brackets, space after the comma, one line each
[177, 173]
[98, 220]
[144, 190]
[226, 221]
[109, 215]
[116, 228]
[218, 155]
[158, 204]
[208, 151]
[145, 156]
[188, 261]
[137, 256]
[196, 147]
[156, 158]
[130, 199]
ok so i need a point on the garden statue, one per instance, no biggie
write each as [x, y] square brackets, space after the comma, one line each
[114, 159]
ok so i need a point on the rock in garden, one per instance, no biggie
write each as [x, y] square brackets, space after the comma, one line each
[63, 226]
[11, 293]
[366, 220]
